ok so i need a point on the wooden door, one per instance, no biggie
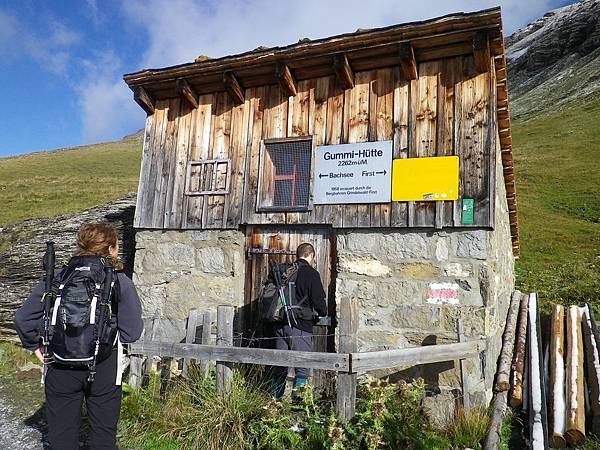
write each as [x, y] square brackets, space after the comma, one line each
[280, 243]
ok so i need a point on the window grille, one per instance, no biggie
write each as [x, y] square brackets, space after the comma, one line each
[285, 175]
[208, 177]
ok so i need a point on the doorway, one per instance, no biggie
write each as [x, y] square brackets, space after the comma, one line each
[264, 242]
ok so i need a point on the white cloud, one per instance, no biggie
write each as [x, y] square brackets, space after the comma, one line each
[50, 48]
[108, 111]
[184, 29]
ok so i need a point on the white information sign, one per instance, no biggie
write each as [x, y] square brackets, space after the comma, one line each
[353, 173]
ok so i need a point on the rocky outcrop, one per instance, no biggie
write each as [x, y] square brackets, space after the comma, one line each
[22, 247]
[555, 60]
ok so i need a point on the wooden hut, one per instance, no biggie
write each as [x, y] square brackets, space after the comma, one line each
[389, 149]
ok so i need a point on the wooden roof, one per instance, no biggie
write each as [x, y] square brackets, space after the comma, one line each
[443, 37]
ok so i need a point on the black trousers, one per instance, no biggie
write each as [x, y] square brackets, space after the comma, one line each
[291, 338]
[65, 390]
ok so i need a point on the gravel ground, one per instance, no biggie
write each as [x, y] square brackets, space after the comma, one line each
[20, 428]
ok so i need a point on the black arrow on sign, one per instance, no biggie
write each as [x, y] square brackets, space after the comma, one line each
[321, 175]
[381, 173]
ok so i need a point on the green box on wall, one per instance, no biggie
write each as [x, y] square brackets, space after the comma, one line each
[468, 211]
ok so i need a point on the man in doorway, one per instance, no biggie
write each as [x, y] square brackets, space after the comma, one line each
[309, 296]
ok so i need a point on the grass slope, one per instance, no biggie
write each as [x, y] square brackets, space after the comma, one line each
[49, 184]
[557, 163]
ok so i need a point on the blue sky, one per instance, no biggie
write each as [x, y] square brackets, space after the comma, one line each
[61, 61]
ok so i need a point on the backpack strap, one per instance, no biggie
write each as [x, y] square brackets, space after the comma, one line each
[65, 278]
[94, 303]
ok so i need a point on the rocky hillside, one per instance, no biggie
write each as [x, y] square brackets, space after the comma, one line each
[555, 61]
[22, 247]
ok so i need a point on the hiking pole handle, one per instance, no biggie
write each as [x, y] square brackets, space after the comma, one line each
[48, 264]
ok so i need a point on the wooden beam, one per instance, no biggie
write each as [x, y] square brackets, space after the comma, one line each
[346, 382]
[408, 63]
[142, 98]
[481, 52]
[388, 359]
[224, 375]
[190, 337]
[287, 82]
[343, 72]
[233, 88]
[185, 90]
[247, 355]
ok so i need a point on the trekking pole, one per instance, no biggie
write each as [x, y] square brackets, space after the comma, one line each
[104, 304]
[280, 288]
[47, 297]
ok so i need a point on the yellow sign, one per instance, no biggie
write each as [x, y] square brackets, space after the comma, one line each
[425, 179]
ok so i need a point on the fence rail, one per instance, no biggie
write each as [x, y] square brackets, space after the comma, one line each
[338, 362]
[346, 363]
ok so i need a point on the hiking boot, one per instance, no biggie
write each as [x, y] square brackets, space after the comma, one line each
[299, 382]
[277, 386]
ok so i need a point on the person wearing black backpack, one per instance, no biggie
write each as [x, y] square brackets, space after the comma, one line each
[305, 301]
[76, 323]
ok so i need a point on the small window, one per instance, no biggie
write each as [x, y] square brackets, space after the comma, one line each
[285, 175]
[208, 177]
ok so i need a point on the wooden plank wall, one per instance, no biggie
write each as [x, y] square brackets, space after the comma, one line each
[446, 111]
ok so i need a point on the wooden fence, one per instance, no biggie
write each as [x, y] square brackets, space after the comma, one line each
[347, 363]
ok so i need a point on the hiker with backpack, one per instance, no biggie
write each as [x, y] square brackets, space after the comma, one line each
[293, 309]
[76, 322]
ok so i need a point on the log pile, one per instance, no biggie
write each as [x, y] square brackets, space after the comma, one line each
[551, 375]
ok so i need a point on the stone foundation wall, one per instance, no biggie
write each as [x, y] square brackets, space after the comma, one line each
[412, 287]
[176, 271]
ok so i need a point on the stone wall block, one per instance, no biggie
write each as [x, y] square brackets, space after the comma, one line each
[354, 288]
[442, 248]
[405, 292]
[210, 260]
[475, 320]
[418, 271]
[472, 244]
[363, 265]
[152, 299]
[420, 338]
[389, 246]
[421, 317]
[458, 269]
[374, 340]
[200, 235]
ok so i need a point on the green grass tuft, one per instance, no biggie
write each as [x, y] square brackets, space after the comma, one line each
[468, 428]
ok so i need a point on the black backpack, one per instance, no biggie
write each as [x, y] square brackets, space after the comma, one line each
[277, 302]
[83, 325]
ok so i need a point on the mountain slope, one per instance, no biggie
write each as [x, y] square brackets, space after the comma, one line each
[557, 165]
[555, 61]
[49, 184]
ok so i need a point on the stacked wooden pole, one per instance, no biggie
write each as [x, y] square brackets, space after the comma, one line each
[538, 425]
[508, 344]
[575, 429]
[557, 378]
[592, 358]
[518, 366]
[503, 375]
